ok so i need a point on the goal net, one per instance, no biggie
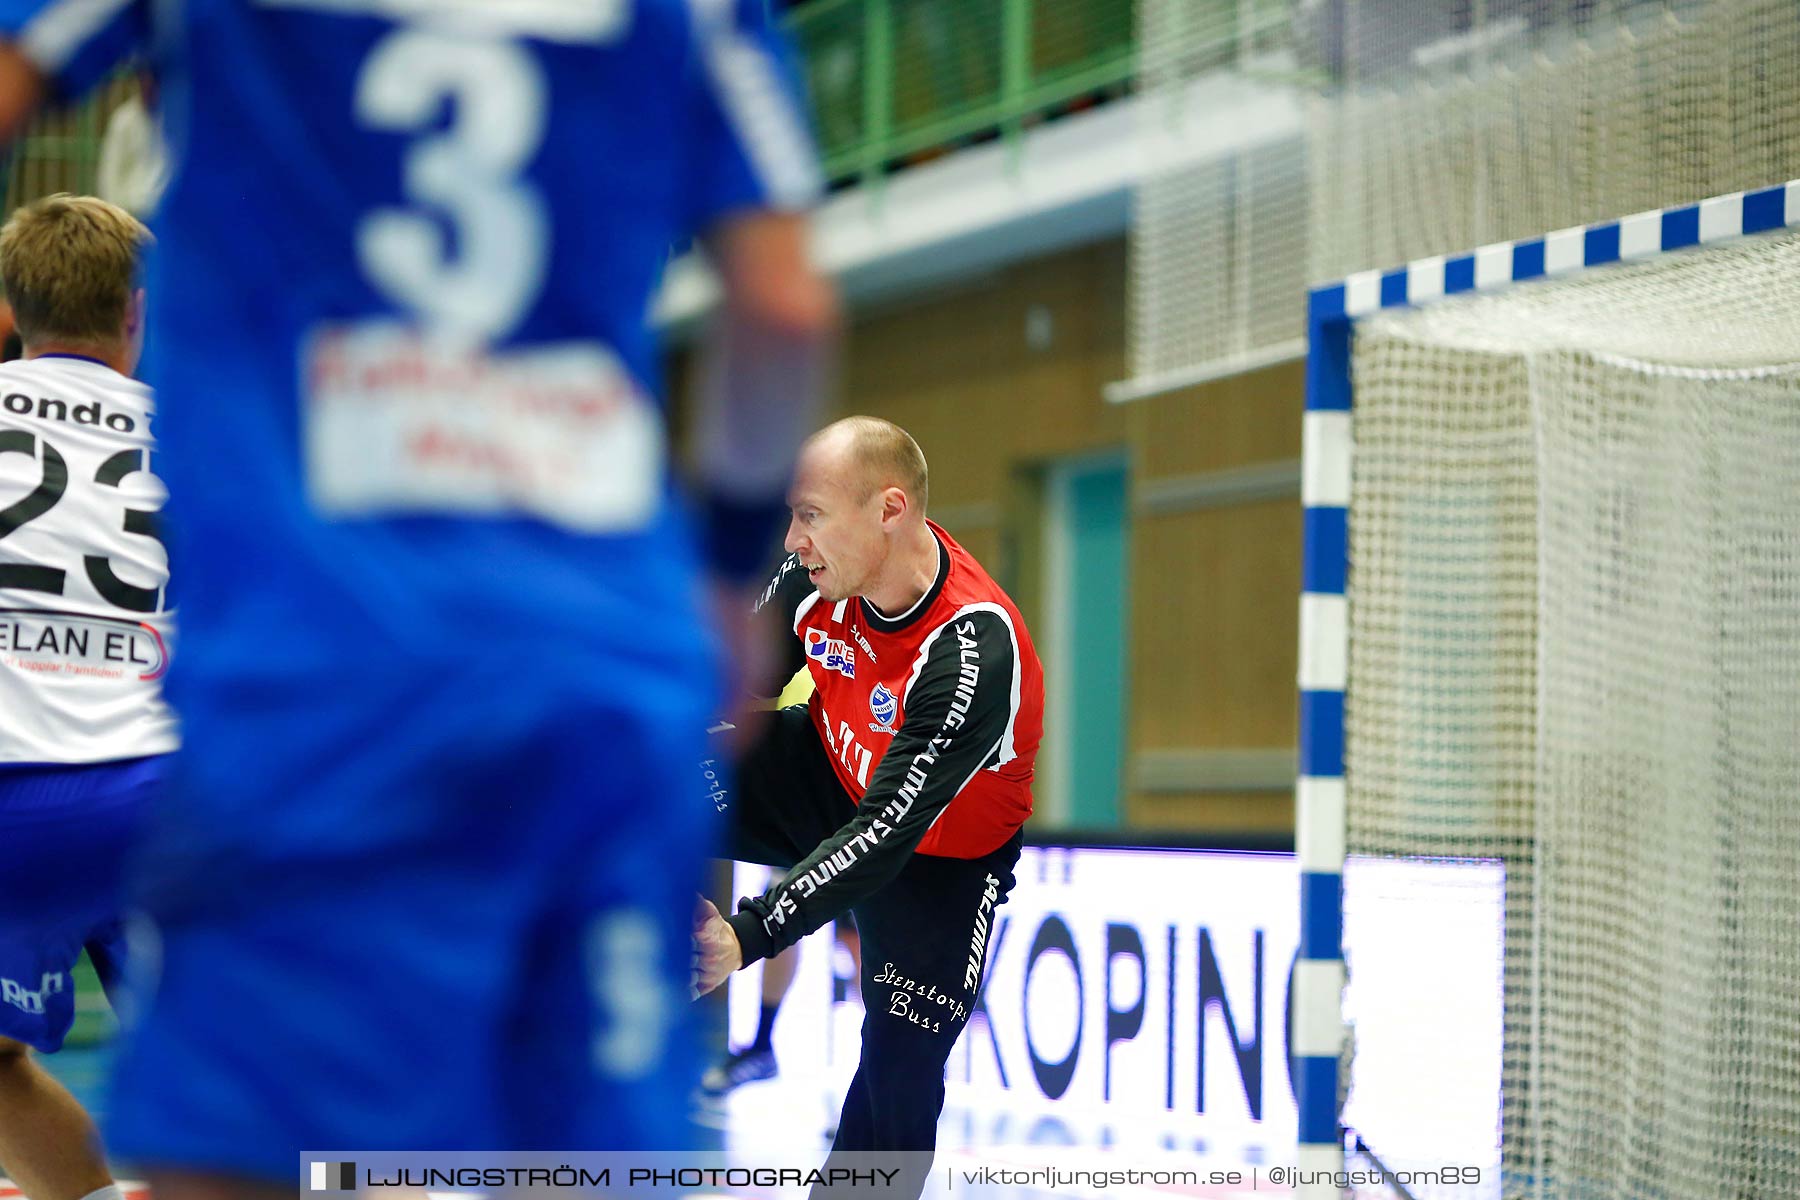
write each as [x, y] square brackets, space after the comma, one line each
[1575, 653]
[1347, 135]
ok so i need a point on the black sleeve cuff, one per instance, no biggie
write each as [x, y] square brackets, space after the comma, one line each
[739, 536]
[752, 938]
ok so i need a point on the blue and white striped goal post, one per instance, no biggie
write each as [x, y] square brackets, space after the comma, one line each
[1332, 312]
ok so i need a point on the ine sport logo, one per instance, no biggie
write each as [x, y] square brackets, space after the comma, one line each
[830, 653]
[885, 707]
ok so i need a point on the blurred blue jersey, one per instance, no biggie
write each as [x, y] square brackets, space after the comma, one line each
[399, 322]
[441, 671]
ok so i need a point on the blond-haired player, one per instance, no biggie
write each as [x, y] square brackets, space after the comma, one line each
[84, 639]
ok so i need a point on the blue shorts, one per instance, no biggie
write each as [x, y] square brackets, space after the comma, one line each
[513, 978]
[65, 832]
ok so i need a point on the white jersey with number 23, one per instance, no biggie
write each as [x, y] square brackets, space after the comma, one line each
[85, 624]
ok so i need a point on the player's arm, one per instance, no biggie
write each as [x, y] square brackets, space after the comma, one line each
[61, 48]
[22, 90]
[772, 620]
[766, 654]
[764, 370]
[767, 352]
[959, 716]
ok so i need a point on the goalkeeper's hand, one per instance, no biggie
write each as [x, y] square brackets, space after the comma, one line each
[716, 950]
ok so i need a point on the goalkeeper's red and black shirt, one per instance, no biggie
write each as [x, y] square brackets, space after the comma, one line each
[931, 719]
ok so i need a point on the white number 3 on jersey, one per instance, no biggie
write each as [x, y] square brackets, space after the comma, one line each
[469, 173]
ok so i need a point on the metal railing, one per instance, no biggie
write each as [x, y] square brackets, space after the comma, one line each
[895, 81]
[890, 82]
[61, 150]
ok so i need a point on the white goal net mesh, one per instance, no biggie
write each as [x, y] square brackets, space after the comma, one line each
[1297, 141]
[1455, 123]
[1575, 651]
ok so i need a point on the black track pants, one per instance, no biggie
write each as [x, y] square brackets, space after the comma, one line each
[924, 936]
